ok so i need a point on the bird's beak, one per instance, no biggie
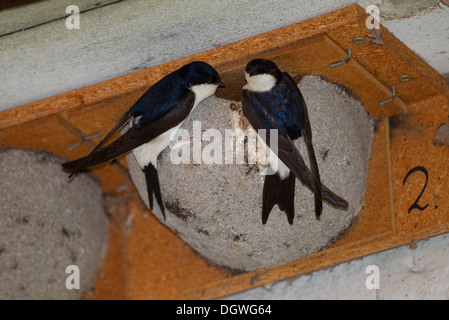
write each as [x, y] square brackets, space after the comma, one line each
[220, 83]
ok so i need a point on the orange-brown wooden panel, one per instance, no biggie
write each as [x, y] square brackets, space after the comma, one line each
[41, 134]
[314, 57]
[101, 117]
[51, 135]
[112, 277]
[160, 264]
[390, 61]
[420, 168]
[405, 141]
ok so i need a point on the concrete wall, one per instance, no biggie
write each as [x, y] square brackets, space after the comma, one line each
[130, 35]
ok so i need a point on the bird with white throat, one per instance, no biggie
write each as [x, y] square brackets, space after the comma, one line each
[272, 100]
[153, 120]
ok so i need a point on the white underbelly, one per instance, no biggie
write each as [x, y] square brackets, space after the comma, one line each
[275, 163]
[148, 152]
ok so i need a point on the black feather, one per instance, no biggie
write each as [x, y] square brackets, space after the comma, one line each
[152, 181]
[283, 108]
[81, 163]
[135, 136]
[280, 192]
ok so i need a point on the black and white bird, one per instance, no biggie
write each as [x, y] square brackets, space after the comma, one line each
[272, 100]
[155, 117]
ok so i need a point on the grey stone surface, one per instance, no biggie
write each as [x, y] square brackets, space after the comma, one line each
[47, 224]
[217, 208]
[33, 14]
[398, 9]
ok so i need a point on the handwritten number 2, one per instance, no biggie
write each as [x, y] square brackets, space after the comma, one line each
[415, 204]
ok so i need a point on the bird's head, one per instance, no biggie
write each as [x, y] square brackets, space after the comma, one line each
[261, 75]
[202, 79]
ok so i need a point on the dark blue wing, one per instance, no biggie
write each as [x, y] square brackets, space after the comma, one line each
[159, 100]
[292, 123]
[138, 134]
[281, 108]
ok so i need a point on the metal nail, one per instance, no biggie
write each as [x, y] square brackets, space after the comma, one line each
[84, 138]
[339, 63]
[381, 103]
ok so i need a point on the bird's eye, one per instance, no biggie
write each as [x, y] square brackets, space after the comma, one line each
[265, 69]
[202, 78]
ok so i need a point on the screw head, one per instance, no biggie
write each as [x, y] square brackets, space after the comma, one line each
[405, 78]
[359, 41]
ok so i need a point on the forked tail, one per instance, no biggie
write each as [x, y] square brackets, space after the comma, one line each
[280, 192]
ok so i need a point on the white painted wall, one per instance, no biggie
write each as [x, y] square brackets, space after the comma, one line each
[404, 273]
[136, 34]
